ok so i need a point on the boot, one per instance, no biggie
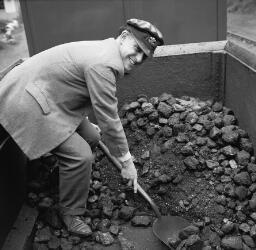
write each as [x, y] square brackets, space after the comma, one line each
[75, 225]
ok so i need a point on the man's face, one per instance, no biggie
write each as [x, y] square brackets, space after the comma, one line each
[131, 53]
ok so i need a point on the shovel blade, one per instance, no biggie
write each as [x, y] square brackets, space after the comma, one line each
[167, 226]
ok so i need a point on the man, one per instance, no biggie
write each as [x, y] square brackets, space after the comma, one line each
[44, 102]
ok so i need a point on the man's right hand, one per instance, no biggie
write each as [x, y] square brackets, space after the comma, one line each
[129, 172]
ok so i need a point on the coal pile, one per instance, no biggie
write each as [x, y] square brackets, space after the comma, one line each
[192, 159]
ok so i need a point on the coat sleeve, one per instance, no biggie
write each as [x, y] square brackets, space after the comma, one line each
[101, 84]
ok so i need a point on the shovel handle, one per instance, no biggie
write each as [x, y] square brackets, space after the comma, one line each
[118, 165]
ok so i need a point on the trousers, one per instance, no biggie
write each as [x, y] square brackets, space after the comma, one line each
[75, 164]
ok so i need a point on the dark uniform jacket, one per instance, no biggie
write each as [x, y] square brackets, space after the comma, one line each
[43, 100]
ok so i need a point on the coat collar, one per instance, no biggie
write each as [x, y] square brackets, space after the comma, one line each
[117, 56]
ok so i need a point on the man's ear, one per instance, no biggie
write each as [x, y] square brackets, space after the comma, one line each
[124, 34]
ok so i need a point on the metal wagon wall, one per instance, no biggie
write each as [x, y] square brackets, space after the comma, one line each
[48, 23]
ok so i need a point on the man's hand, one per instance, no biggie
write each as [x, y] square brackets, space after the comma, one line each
[129, 172]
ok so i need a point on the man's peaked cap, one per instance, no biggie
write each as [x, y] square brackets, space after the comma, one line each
[146, 34]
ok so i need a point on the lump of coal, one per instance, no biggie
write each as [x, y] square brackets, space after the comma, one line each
[141, 221]
[126, 212]
[232, 242]
[105, 239]
[174, 241]
[187, 231]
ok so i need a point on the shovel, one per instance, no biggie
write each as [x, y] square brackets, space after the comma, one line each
[164, 227]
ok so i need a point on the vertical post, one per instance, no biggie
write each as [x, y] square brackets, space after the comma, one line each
[27, 25]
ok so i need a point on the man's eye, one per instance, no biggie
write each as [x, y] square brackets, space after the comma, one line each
[138, 49]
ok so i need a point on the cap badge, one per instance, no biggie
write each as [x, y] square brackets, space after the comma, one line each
[152, 41]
